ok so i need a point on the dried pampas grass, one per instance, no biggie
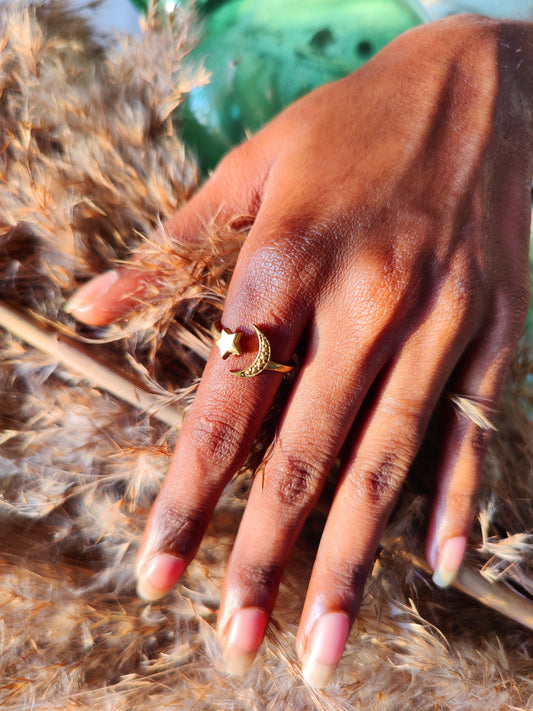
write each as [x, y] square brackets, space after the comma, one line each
[90, 165]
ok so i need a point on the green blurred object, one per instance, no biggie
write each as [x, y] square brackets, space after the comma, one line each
[140, 5]
[264, 54]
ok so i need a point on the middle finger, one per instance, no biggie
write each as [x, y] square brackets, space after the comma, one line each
[318, 418]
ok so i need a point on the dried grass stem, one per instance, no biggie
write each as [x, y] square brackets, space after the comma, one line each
[74, 357]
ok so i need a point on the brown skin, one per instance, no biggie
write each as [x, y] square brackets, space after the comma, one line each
[391, 225]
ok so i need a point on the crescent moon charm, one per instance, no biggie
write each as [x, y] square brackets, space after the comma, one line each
[262, 358]
[228, 343]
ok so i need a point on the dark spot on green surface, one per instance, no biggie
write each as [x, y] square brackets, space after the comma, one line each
[364, 49]
[321, 39]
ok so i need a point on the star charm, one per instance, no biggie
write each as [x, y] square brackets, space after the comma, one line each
[228, 343]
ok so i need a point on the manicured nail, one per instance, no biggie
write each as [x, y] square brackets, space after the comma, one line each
[449, 561]
[91, 292]
[325, 648]
[158, 575]
[246, 632]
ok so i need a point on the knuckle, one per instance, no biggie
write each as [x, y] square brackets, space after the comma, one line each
[217, 440]
[268, 266]
[273, 269]
[349, 579]
[385, 293]
[287, 261]
[259, 577]
[380, 480]
[293, 482]
[178, 530]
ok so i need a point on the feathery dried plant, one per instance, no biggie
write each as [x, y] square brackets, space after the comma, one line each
[90, 165]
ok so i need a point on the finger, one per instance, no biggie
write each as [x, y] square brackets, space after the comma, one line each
[388, 438]
[477, 391]
[266, 290]
[317, 419]
[234, 189]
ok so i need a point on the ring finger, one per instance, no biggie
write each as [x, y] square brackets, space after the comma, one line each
[385, 446]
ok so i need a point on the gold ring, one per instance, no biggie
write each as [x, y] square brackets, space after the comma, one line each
[229, 343]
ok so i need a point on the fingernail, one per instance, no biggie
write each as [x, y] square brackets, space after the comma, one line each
[91, 292]
[449, 561]
[325, 649]
[246, 632]
[158, 575]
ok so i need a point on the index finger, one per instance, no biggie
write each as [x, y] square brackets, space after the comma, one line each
[233, 190]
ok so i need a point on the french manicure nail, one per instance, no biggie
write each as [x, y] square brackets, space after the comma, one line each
[90, 292]
[449, 561]
[246, 632]
[158, 575]
[325, 649]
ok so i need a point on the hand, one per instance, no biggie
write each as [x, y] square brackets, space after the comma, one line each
[389, 244]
